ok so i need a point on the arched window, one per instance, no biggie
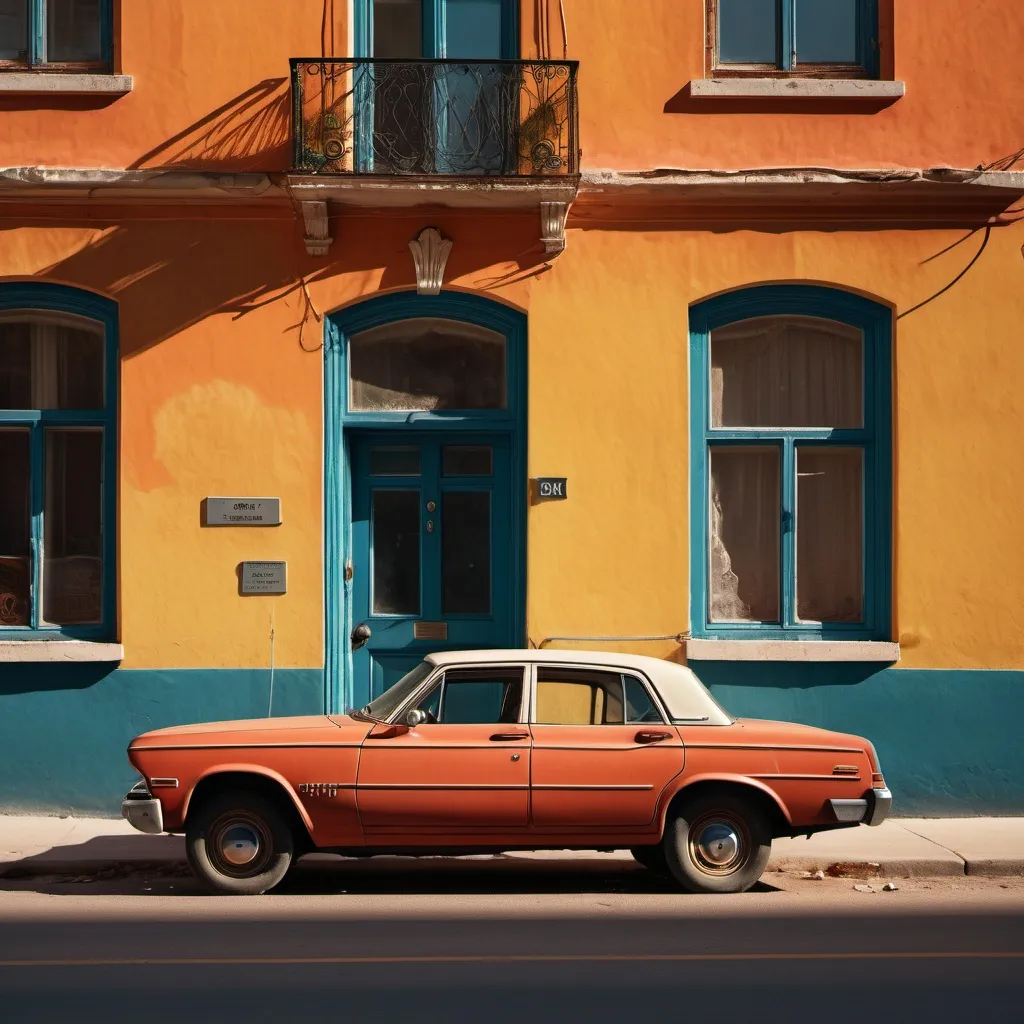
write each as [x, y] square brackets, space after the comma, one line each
[58, 400]
[791, 465]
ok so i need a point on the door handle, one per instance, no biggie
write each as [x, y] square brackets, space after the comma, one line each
[510, 736]
[651, 737]
[360, 635]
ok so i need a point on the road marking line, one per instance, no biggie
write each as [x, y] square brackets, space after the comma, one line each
[257, 961]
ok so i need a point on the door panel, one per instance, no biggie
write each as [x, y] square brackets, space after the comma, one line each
[608, 764]
[467, 767]
[432, 549]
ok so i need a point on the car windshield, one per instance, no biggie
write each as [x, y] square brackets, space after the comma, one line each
[392, 699]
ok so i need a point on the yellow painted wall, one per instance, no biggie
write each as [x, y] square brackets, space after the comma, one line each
[222, 395]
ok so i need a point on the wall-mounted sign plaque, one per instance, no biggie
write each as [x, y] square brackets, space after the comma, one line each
[241, 512]
[264, 578]
[551, 488]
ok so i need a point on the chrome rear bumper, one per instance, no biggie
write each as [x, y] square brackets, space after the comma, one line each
[142, 810]
[872, 810]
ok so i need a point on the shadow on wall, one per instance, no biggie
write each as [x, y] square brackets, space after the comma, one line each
[946, 739]
[170, 266]
[167, 274]
[251, 132]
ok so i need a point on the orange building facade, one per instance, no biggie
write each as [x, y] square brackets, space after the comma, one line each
[682, 328]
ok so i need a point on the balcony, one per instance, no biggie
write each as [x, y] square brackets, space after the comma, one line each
[451, 132]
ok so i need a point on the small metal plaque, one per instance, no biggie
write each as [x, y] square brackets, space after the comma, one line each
[242, 512]
[264, 578]
[551, 488]
[430, 630]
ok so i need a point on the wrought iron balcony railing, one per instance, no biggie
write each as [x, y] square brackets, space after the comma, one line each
[506, 118]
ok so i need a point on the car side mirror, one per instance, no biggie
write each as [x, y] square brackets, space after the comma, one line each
[415, 717]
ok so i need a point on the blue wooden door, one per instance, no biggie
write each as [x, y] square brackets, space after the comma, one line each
[432, 549]
[451, 118]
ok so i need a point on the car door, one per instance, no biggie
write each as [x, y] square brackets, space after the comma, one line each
[467, 767]
[602, 751]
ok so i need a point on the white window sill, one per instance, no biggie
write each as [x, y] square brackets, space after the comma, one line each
[59, 651]
[48, 83]
[792, 650]
[796, 88]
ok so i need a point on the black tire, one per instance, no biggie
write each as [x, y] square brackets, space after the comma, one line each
[652, 858]
[222, 832]
[717, 844]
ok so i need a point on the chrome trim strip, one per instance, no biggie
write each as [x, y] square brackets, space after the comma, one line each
[559, 785]
[599, 748]
[393, 744]
[163, 783]
[239, 746]
[438, 785]
[830, 778]
[772, 746]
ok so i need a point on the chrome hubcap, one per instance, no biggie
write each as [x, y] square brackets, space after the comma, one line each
[718, 844]
[240, 845]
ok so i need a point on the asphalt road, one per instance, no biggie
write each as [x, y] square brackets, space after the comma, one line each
[509, 941]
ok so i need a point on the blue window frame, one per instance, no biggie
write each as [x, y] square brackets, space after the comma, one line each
[58, 457]
[56, 34]
[790, 455]
[758, 37]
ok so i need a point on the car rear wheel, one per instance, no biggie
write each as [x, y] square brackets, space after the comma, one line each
[717, 844]
[651, 857]
[239, 843]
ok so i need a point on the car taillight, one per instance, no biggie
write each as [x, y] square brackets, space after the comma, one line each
[877, 782]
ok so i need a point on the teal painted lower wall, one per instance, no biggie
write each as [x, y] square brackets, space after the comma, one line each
[64, 729]
[949, 741]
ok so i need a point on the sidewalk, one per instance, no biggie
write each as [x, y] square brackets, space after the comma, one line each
[900, 847]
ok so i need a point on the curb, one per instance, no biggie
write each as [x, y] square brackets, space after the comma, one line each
[945, 867]
[948, 867]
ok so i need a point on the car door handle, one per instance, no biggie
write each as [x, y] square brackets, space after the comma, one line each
[651, 737]
[510, 736]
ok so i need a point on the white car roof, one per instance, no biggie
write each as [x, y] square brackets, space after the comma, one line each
[684, 694]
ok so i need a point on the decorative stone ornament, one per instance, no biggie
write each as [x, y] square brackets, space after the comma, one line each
[314, 214]
[552, 226]
[430, 254]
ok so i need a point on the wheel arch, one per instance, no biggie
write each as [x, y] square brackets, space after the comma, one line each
[742, 785]
[264, 780]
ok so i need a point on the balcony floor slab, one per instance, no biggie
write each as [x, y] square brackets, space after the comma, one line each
[449, 190]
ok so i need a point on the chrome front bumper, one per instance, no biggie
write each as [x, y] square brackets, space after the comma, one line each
[142, 810]
[870, 811]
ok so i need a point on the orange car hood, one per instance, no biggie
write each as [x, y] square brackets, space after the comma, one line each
[301, 729]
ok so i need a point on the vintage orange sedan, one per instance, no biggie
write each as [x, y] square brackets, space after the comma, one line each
[485, 751]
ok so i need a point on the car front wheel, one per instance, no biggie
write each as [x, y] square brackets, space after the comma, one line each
[239, 843]
[717, 844]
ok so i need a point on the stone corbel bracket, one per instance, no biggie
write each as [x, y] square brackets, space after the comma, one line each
[552, 226]
[430, 251]
[314, 215]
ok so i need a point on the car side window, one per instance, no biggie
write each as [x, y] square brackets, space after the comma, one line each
[475, 697]
[639, 706]
[567, 696]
